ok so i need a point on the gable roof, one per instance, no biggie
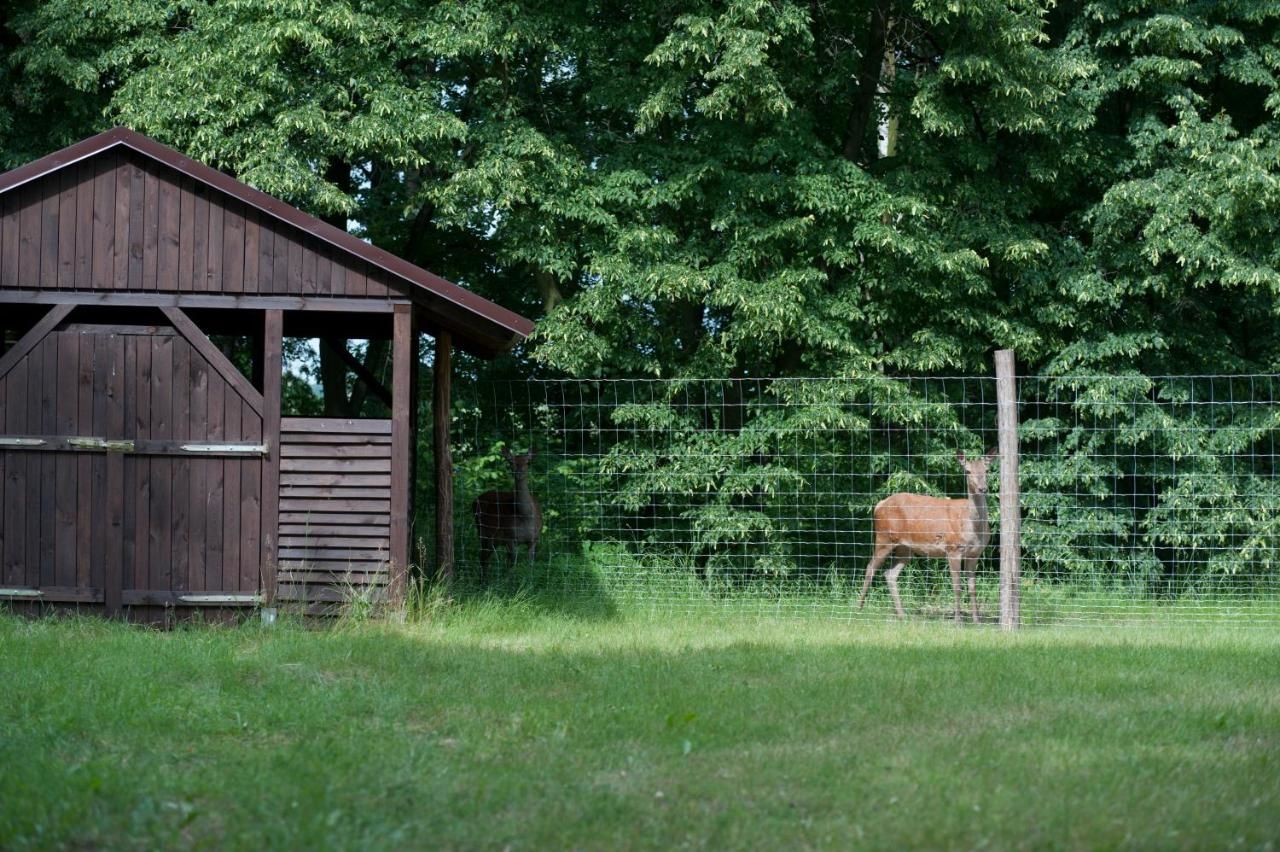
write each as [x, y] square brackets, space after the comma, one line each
[481, 325]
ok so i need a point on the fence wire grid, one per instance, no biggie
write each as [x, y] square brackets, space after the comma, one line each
[1142, 498]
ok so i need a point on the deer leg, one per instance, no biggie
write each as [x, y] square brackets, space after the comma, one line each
[971, 569]
[877, 559]
[891, 577]
[955, 562]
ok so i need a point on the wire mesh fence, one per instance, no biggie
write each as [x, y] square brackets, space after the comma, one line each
[1142, 497]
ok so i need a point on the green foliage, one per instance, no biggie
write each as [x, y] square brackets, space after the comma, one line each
[299, 397]
[698, 191]
[1164, 486]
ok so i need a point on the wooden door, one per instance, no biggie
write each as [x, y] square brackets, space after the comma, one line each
[131, 462]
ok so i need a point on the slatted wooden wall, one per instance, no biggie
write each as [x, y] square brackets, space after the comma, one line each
[155, 522]
[335, 508]
[121, 221]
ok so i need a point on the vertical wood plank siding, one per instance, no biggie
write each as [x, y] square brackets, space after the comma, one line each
[107, 524]
[67, 226]
[85, 464]
[67, 465]
[120, 221]
[122, 245]
[15, 507]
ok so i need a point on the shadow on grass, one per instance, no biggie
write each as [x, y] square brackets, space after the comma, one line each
[554, 585]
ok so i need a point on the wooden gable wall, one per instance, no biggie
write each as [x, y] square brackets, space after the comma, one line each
[120, 221]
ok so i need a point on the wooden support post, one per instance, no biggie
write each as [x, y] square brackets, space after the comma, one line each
[1010, 505]
[258, 343]
[440, 423]
[404, 358]
[272, 376]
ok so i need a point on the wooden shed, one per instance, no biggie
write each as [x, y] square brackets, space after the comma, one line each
[140, 469]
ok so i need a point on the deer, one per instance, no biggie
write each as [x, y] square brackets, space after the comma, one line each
[908, 525]
[509, 518]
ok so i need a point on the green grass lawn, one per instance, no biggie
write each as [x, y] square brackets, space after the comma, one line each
[495, 725]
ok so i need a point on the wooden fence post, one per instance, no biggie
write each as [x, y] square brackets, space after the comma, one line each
[1010, 505]
[404, 371]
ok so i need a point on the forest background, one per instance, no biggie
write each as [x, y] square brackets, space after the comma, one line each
[767, 188]
[698, 188]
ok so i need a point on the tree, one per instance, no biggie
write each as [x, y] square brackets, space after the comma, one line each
[1178, 251]
[698, 190]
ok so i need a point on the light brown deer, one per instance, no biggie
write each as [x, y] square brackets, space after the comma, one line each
[909, 525]
[509, 518]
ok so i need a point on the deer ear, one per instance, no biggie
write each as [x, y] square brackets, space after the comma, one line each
[991, 453]
[960, 456]
[506, 454]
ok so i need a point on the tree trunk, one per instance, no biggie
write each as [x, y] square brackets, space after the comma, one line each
[888, 131]
[334, 371]
[690, 326]
[864, 99]
[376, 362]
[333, 378]
[338, 173]
[549, 290]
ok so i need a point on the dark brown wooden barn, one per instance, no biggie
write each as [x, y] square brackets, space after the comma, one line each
[140, 470]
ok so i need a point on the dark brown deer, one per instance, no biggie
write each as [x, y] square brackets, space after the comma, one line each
[909, 525]
[508, 518]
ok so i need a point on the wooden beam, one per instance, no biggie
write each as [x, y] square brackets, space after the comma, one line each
[333, 324]
[441, 417]
[436, 317]
[336, 426]
[197, 300]
[120, 329]
[29, 340]
[273, 372]
[55, 594]
[404, 360]
[214, 356]
[147, 597]
[136, 447]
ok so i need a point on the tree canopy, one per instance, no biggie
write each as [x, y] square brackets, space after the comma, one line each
[739, 187]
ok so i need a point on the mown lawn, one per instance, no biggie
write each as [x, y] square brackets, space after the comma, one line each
[495, 726]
